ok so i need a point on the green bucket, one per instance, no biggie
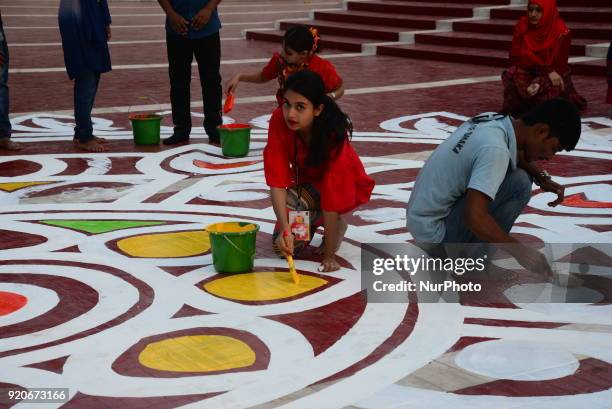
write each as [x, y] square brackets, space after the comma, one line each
[146, 128]
[235, 139]
[233, 246]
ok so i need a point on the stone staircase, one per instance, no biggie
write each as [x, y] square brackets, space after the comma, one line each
[466, 31]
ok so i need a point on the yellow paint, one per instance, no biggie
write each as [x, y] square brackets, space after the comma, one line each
[231, 227]
[166, 245]
[262, 286]
[198, 353]
[11, 187]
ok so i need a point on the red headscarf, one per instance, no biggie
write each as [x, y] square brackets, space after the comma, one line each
[539, 44]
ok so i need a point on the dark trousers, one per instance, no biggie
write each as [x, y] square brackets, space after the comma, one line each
[208, 56]
[5, 123]
[85, 89]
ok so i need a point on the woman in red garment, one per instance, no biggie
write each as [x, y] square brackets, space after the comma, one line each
[539, 54]
[311, 166]
[300, 48]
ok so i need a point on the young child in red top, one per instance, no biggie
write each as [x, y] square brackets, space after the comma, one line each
[300, 45]
[310, 165]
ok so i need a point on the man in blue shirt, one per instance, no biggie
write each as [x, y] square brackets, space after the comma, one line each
[192, 28]
[471, 190]
[85, 30]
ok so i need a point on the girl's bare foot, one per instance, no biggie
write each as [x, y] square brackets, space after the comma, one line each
[90, 146]
[328, 265]
[9, 145]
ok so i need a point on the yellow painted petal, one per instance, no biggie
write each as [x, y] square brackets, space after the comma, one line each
[262, 286]
[198, 353]
[11, 187]
[166, 245]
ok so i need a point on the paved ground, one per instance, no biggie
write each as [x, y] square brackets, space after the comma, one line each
[107, 286]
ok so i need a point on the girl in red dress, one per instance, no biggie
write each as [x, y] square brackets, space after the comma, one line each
[300, 45]
[310, 165]
[539, 54]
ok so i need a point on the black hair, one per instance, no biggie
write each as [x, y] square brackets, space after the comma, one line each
[561, 116]
[331, 127]
[299, 39]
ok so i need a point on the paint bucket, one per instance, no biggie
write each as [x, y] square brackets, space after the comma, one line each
[235, 139]
[233, 246]
[146, 128]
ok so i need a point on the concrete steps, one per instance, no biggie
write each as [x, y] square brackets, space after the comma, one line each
[466, 31]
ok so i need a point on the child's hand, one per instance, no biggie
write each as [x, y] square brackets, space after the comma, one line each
[329, 264]
[284, 242]
[232, 84]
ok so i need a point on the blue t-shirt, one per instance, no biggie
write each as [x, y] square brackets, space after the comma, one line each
[475, 156]
[188, 9]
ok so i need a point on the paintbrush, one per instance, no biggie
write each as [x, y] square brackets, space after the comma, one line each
[294, 275]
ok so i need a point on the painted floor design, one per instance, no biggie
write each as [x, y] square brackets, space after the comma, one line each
[107, 286]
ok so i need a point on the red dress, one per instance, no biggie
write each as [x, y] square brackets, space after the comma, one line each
[342, 182]
[277, 67]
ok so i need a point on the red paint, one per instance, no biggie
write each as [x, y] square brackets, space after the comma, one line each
[324, 326]
[19, 167]
[143, 117]
[465, 342]
[580, 200]
[512, 323]
[10, 239]
[235, 126]
[11, 302]
[591, 376]
[219, 166]
[81, 401]
[53, 365]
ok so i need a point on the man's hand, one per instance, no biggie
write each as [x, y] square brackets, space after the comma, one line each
[547, 185]
[533, 89]
[202, 18]
[178, 23]
[108, 33]
[556, 80]
[533, 261]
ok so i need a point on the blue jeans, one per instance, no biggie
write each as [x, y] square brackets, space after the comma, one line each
[512, 197]
[85, 89]
[5, 123]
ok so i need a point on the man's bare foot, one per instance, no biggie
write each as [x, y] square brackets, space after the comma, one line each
[100, 140]
[9, 145]
[90, 146]
[342, 226]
